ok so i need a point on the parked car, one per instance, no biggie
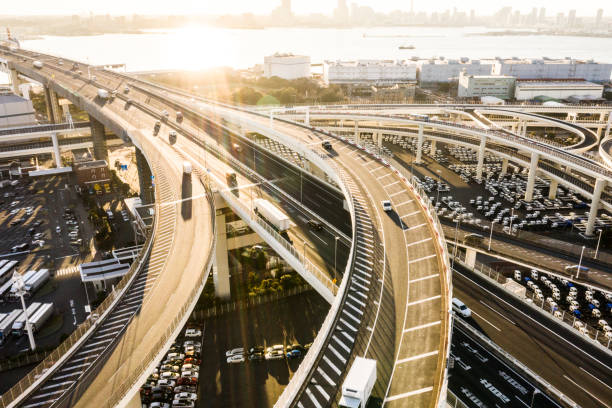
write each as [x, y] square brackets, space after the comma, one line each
[237, 358]
[233, 352]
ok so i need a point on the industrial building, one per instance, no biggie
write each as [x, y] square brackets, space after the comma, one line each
[557, 89]
[442, 70]
[374, 72]
[287, 66]
[15, 111]
[499, 86]
[92, 174]
[553, 69]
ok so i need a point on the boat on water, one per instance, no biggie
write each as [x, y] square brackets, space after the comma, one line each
[406, 47]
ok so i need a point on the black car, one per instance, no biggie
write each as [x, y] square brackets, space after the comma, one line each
[258, 356]
[326, 145]
[315, 225]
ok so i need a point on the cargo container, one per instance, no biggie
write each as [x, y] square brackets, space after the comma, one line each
[358, 384]
[19, 325]
[7, 324]
[272, 214]
[41, 316]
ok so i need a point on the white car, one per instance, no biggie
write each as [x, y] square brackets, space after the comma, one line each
[186, 395]
[193, 333]
[238, 358]
[386, 205]
[234, 352]
[190, 374]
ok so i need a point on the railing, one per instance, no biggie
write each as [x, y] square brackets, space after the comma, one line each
[453, 401]
[82, 332]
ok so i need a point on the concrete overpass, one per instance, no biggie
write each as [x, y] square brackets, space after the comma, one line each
[129, 354]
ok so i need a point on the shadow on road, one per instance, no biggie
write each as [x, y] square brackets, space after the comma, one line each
[186, 193]
[397, 220]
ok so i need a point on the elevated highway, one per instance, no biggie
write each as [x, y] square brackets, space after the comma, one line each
[373, 296]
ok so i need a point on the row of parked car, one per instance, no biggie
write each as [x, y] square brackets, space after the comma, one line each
[174, 382]
[260, 353]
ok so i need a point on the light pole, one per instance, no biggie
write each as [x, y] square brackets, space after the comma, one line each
[455, 249]
[491, 235]
[438, 187]
[598, 241]
[511, 218]
[535, 391]
[335, 252]
[20, 286]
[580, 262]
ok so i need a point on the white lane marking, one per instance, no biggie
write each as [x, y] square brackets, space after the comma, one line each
[582, 388]
[486, 321]
[422, 326]
[595, 377]
[408, 394]
[498, 312]
[391, 184]
[398, 193]
[388, 174]
[411, 214]
[425, 277]
[416, 302]
[337, 354]
[348, 325]
[418, 242]
[348, 350]
[405, 202]
[318, 237]
[333, 367]
[415, 227]
[312, 398]
[326, 377]
[417, 357]
[422, 258]
[322, 391]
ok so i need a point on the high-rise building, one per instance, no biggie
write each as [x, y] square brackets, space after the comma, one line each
[571, 18]
[341, 13]
[542, 15]
[560, 19]
[598, 18]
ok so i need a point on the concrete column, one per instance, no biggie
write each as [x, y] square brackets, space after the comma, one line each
[357, 132]
[307, 118]
[599, 130]
[14, 78]
[432, 149]
[419, 152]
[481, 154]
[552, 191]
[48, 105]
[504, 168]
[533, 169]
[608, 125]
[99, 142]
[599, 186]
[221, 265]
[513, 128]
[380, 139]
[55, 108]
[524, 129]
[56, 151]
[602, 115]
[144, 178]
[25, 90]
[470, 257]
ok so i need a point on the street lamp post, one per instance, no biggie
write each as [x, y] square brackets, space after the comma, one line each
[438, 187]
[535, 391]
[491, 235]
[580, 262]
[455, 249]
[598, 241]
[511, 218]
[335, 252]
[20, 286]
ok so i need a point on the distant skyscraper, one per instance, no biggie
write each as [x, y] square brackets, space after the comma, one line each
[598, 18]
[571, 18]
[542, 15]
[560, 19]
[342, 12]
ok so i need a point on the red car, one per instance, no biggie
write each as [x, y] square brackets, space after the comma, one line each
[191, 360]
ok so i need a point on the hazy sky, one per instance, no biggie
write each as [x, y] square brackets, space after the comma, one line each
[585, 8]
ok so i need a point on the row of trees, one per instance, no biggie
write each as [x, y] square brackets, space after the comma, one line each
[275, 90]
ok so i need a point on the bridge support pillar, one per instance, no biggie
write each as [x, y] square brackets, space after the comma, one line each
[599, 186]
[602, 115]
[552, 190]
[599, 130]
[99, 142]
[52, 104]
[470, 257]
[145, 180]
[432, 149]
[56, 151]
[379, 139]
[608, 125]
[25, 90]
[524, 129]
[307, 117]
[357, 141]
[221, 265]
[481, 154]
[419, 151]
[14, 78]
[533, 169]
[504, 168]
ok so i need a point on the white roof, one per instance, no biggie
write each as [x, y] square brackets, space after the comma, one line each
[359, 373]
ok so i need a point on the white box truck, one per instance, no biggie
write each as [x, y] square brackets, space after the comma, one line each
[37, 64]
[187, 167]
[41, 316]
[36, 281]
[358, 384]
[19, 325]
[103, 94]
[272, 214]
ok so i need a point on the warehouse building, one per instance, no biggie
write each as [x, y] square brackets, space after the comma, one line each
[499, 86]
[374, 72]
[442, 70]
[287, 66]
[557, 89]
[588, 70]
[15, 111]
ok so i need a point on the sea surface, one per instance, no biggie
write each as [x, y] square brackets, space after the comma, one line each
[201, 47]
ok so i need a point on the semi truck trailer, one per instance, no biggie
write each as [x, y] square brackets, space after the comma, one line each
[272, 214]
[19, 325]
[36, 281]
[41, 316]
[358, 384]
[7, 324]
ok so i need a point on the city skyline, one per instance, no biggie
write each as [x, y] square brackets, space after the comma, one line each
[298, 7]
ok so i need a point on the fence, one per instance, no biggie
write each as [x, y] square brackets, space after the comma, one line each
[21, 360]
[248, 303]
[570, 319]
[453, 401]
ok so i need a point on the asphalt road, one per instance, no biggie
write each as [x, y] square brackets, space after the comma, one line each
[559, 354]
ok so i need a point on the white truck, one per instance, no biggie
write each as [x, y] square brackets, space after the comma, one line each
[272, 214]
[41, 316]
[7, 324]
[36, 281]
[103, 94]
[19, 325]
[187, 167]
[358, 384]
[37, 64]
